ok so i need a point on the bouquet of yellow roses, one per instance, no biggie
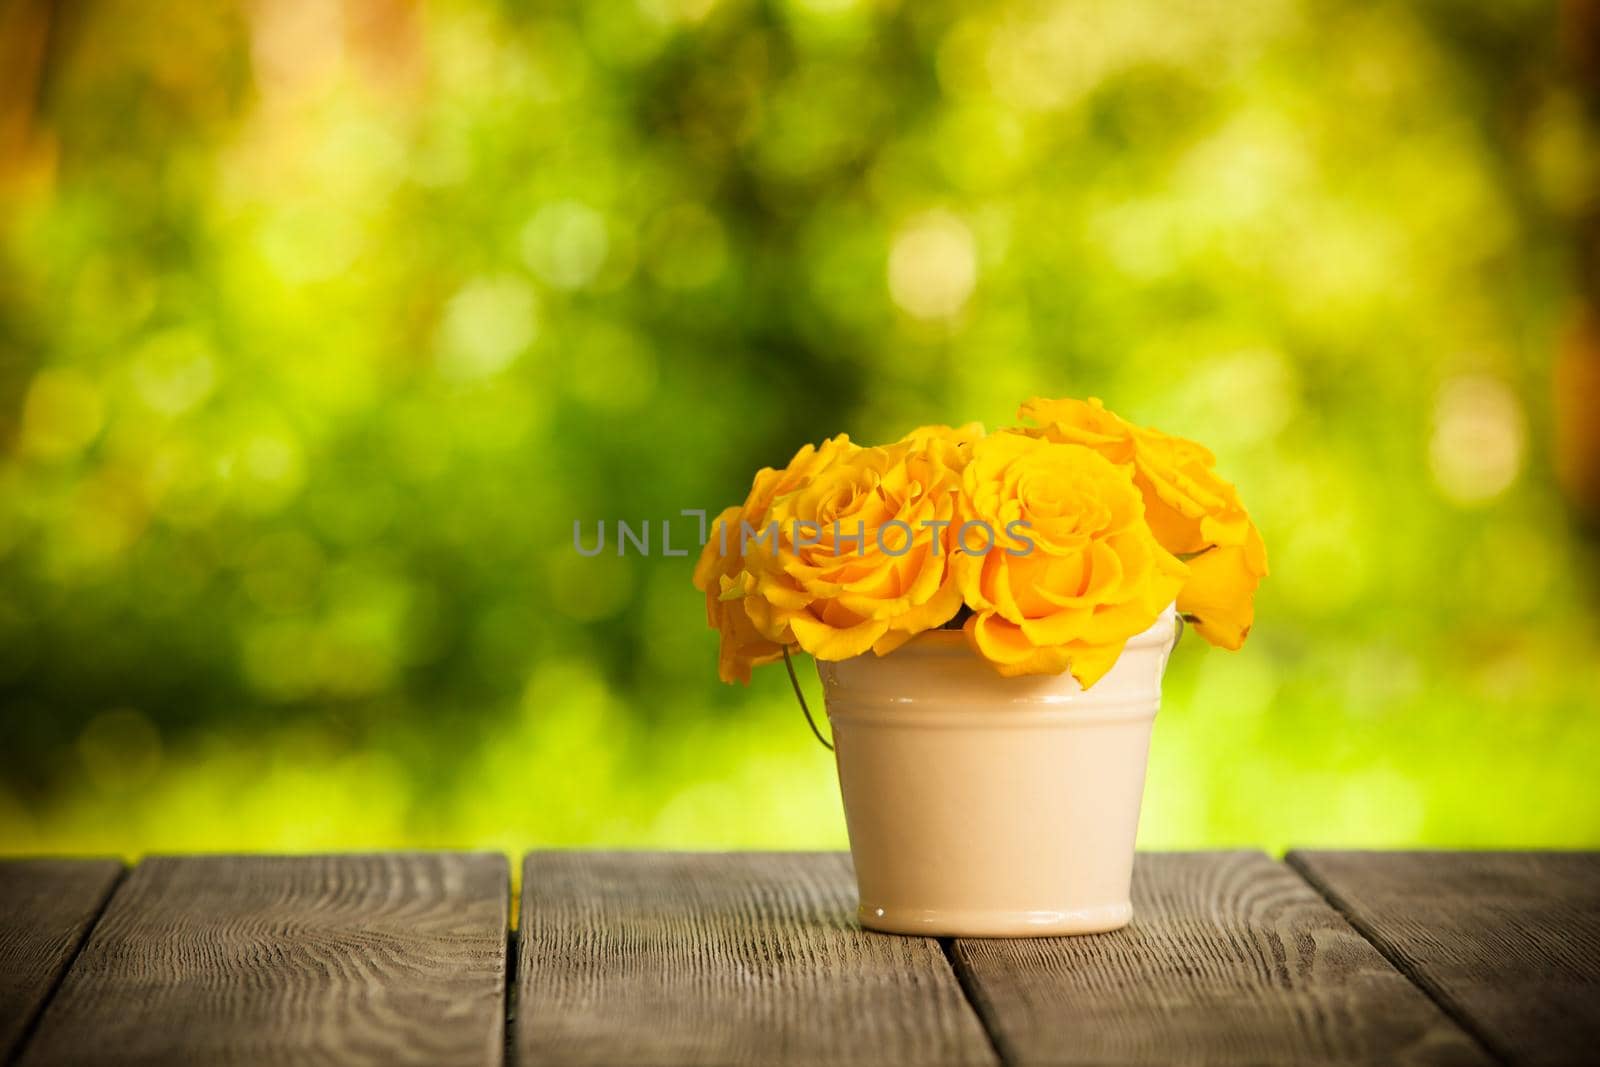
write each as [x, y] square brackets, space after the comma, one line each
[1049, 545]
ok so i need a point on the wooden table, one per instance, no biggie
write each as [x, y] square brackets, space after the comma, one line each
[679, 958]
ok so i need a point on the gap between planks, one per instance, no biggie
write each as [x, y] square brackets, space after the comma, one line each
[1507, 942]
[971, 993]
[1231, 959]
[24, 1034]
[1461, 1017]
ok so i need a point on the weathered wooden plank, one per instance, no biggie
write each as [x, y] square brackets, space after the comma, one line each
[1508, 942]
[1231, 959]
[674, 958]
[46, 908]
[393, 958]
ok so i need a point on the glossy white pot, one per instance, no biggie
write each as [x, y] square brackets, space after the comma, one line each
[983, 806]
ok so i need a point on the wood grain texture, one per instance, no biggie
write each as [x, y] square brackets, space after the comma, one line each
[381, 959]
[1231, 959]
[1508, 942]
[674, 958]
[46, 908]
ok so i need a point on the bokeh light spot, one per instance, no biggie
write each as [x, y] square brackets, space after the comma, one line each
[670, 11]
[933, 266]
[826, 7]
[565, 244]
[269, 470]
[486, 326]
[174, 372]
[1479, 439]
[297, 47]
[62, 414]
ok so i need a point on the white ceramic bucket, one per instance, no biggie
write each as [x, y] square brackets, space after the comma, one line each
[983, 806]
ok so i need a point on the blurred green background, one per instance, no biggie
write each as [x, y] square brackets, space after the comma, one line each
[321, 322]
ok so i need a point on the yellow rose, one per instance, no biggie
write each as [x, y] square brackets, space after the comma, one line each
[960, 436]
[720, 572]
[1194, 513]
[1073, 570]
[857, 557]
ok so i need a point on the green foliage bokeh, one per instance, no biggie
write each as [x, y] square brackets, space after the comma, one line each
[318, 332]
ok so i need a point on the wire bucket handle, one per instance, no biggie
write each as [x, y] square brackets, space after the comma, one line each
[794, 680]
